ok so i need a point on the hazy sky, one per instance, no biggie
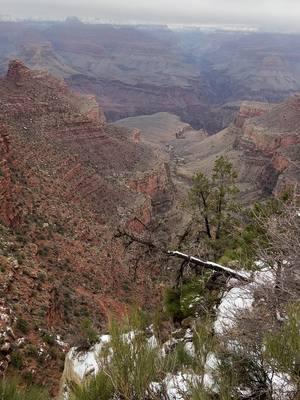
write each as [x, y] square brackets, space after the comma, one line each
[274, 13]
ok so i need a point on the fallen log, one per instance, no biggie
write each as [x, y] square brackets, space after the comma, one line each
[211, 265]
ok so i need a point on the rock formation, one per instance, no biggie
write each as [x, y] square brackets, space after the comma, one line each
[263, 143]
[136, 70]
[71, 185]
[250, 109]
[68, 182]
[276, 135]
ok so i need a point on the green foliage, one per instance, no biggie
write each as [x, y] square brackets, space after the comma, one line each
[172, 304]
[196, 297]
[97, 388]
[130, 361]
[190, 298]
[22, 325]
[43, 251]
[214, 201]
[241, 369]
[49, 338]
[282, 348]
[204, 342]
[179, 358]
[88, 332]
[129, 364]
[32, 351]
[243, 245]
[9, 391]
[199, 393]
[17, 359]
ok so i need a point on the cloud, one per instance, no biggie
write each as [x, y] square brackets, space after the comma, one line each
[259, 12]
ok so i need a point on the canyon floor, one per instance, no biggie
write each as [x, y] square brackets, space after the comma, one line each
[75, 191]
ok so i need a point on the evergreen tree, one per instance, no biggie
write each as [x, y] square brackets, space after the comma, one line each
[214, 202]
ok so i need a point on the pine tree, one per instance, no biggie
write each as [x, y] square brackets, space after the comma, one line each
[214, 202]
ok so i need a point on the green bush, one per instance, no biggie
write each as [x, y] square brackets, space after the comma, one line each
[282, 348]
[22, 325]
[97, 388]
[88, 332]
[180, 358]
[128, 364]
[32, 351]
[17, 359]
[9, 391]
[172, 304]
[129, 359]
[192, 296]
[49, 338]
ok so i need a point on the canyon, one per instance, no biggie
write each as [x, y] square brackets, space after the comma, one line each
[201, 76]
[79, 194]
[69, 182]
[262, 143]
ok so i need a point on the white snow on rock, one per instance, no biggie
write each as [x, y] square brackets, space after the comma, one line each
[282, 387]
[175, 386]
[240, 297]
[190, 349]
[210, 367]
[60, 342]
[81, 364]
[85, 363]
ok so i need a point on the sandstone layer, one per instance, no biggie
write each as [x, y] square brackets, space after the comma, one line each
[68, 184]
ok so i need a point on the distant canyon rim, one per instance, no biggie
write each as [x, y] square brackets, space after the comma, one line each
[201, 76]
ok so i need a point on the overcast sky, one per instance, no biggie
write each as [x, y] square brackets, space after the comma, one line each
[263, 13]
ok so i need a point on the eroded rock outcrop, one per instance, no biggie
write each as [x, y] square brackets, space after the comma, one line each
[275, 134]
[250, 109]
[65, 179]
[263, 145]
[9, 190]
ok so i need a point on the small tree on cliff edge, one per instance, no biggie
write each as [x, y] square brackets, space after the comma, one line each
[214, 199]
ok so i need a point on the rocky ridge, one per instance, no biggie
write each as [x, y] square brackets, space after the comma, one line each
[68, 183]
[274, 132]
[200, 76]
[262, 143]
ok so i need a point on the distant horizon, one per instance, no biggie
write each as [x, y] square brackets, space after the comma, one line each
[230, 27]
[261, 15]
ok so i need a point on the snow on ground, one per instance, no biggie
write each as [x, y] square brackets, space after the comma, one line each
[86, 363]
[175, 386]
[240, 297]
[282, 386]
[210, 367]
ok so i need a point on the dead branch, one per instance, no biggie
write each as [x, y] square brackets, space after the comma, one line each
[210, 265]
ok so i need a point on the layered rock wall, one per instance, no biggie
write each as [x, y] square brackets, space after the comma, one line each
[250, 109]
[271, 133]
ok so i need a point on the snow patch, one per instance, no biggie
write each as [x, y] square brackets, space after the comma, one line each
[240, 298]
[85, 363]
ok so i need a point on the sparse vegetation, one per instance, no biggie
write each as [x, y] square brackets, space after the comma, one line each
[17, 359]
[88, 332]
[22, 325]
[258, 354]
[9, 390]
[215, 207]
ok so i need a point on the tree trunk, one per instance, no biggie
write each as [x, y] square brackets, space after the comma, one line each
[211, 265]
